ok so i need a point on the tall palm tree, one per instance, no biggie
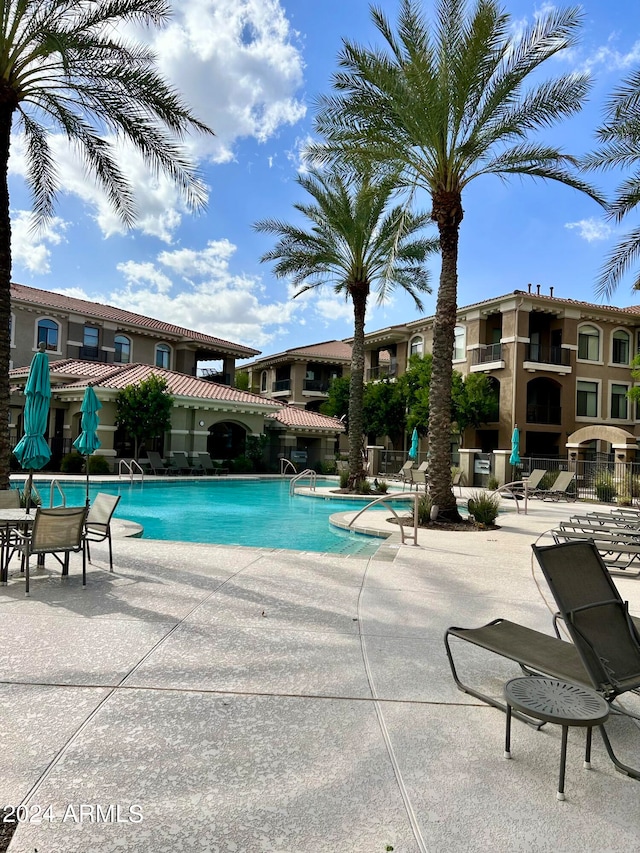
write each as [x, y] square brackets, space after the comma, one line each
[447, 103]
[620, 138]
[356, 241]
[66, 68]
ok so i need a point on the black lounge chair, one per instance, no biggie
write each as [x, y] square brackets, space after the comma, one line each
[605, 652]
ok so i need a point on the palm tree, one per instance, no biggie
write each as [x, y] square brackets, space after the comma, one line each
[64, 67]
[447, 104]
[356, 241]
[620, 138]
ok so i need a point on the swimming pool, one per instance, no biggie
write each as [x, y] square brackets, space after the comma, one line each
[255, 513]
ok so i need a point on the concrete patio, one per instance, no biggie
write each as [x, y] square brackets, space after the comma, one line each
[230, 699]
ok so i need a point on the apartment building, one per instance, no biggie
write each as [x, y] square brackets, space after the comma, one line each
[299, 376]
[560, 368]
[109, 348]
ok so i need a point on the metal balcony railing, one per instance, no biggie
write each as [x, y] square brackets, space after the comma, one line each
[315, 385]
[281, 385]
[382, 371]
[547, 355]
[544, 414]
[487, 353]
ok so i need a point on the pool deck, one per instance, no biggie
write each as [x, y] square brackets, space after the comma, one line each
[241, 699]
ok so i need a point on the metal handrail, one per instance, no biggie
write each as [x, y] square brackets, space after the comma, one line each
[308, 472]
[128, 465]
[395, 497]
[283, 466]
[56, 485]
[515, 494]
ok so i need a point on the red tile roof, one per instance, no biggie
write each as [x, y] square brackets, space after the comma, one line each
[56, 301]
[327, 351]
[292, 416]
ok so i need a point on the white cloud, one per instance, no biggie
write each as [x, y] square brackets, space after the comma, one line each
[197, 290]
[237, 66]
[606, 56]
[30, 245]
[590, 230]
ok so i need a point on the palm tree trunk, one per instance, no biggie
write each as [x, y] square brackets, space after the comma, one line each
[447, 212]
[5, 294]
[359, 295]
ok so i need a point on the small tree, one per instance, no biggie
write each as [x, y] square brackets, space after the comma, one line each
[255, 448]
[144, 410]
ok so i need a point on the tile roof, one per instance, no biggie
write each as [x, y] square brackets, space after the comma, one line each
[327, 350]
[293, 416]
[73, 374]
[56, 301]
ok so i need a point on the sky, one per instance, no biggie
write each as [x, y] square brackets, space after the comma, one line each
[252, 70]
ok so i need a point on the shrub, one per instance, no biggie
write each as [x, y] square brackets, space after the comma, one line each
[344, 479]
[425, 505]
[36, 499]
[99, 464]
[242, 465]
[363, 487]
[605, 487]
[484, 507]
[72, 463]
[492, 483]
[382, 486]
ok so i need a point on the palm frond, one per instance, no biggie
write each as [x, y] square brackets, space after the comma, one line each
[618, 263]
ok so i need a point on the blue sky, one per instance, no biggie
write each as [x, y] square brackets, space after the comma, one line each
[251, 69]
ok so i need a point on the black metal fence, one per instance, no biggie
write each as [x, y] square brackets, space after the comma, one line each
[601, 479]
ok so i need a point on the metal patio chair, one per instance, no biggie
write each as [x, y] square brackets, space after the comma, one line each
[98, 524]
[58, 531]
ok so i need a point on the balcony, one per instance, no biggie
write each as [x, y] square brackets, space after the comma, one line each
[382, 371]
[543, 414]
[547, 355]
[281, 385]
[488, 353]
[217, 376]
[319, 386]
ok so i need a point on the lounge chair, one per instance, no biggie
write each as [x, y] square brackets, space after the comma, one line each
[605, 652]
[418, 478]
[155, 463]
[180, 464]
[560, 488]
[205, 462]
[98, 524]
[55, 531]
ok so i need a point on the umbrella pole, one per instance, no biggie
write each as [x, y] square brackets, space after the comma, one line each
[28, 491]
[86, 465]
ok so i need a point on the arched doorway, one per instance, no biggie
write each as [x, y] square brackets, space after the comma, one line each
[226, 440]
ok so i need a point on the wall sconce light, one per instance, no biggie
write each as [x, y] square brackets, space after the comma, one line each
[620, 457]
[573, 456]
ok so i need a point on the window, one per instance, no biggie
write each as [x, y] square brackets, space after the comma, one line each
[90, 342]
[589, 343]
[48, 334]
[619, 402]
[263, 381]
[620, 348]
[163, 356]
[459, 344]
[416, 347]
[587, 399]
[123, 349]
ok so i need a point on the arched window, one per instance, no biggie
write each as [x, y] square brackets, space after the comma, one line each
[263, 380]
[459, 343]
[48, 331]
[163, 356]
[620, 347]
[589, 343]
[416, 346]
[122, 346]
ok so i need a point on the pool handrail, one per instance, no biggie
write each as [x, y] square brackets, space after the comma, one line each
[128, 465]
[55, 484]
[394, 497]
[285, 464]
[308, 472]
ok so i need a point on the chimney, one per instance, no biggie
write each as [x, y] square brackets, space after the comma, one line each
[537, 289]
[529, 286]
[550, 291]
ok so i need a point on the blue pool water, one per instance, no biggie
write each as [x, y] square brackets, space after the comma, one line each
[256, 513]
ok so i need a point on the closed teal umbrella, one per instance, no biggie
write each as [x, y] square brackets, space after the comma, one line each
[88, 442]
[514, 459]
[413, 450]
[32, 451]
